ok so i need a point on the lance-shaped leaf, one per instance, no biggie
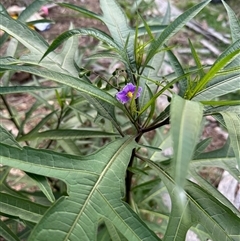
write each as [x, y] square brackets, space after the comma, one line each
[219, 82]
[6, 232]
[179, 71]
[224, 85]
[83, 31]
[217, 219]
[23, 34]
[22, 208]
[70, 81]
[117, 24]
[186, 117]
[62, 134]
[232, 121]
[223, 158]
[7, 138]
[21, 89]
[234, 27]
[31, 9]
[95, 187]
[201, 207]
[234, 23]
[104, 110]
[68, 53]
[116, 21]
[31, 40]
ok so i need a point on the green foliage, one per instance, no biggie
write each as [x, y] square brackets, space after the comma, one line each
[94, 168]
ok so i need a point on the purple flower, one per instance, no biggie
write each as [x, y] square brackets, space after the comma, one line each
[127, 93]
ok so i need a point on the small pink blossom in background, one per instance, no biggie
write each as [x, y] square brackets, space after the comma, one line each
[127, 93]
[44, 9]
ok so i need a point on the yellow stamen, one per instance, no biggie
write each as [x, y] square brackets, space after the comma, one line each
[130, 94]
[14, 16]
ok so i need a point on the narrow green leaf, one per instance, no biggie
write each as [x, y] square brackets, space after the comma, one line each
[185, 119]
[69, 146]
[6, 232]
[167, 17]
[202, 208]
[113, 231]
[161, 91]
[148, 74]
[36, 128]
[179, 71]
[75, 83]
[218, 109]
[233, 21]
[40, 101]
[22, 208]
[201, 146]
[179, 220]
[3, 38]
[31, 9]
[83, 31]
[105, 54]
[166, 154]
[221, 102]
[150, 147]
[232, 121]
[82, 10]
[116, 21]
[218, 65]
[21, 89]
[43, 185]
[211, 189]
[229, 50]
[153, 28]
[223, 158]
[217, 219]
[234, 27]
[68, 53]
[219, 87]
[3, 10]
[104, 110]
[147, 28]
[23, 34]
[62, 134]
[7, 138]
[196, 59]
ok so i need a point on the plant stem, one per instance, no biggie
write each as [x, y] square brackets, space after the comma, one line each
[128, 179]
[153, 127]
[57, 127]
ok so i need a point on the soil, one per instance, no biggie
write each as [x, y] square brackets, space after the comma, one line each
[62, 17]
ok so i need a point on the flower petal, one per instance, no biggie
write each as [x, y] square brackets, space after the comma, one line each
[122, 97]
[139, 91]
[129, 88]
[125, 94]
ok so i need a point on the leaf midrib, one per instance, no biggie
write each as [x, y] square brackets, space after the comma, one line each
[166, 175]
[101, 176]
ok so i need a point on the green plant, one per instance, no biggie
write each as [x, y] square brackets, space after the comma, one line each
[110, 175]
